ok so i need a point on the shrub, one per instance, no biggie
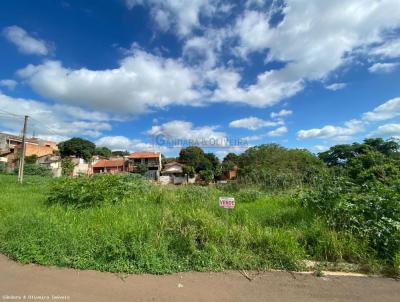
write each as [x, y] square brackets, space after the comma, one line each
[35, 169]
[32, 159]
[3, 167]
[207, 175]
[67, 166]
[90, 191]
[141, 169]
[371, 212]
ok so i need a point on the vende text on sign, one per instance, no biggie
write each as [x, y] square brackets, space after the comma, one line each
[227, 202]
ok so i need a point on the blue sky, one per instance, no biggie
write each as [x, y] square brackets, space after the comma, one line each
[301, 73]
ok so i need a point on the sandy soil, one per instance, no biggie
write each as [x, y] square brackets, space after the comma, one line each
[32, 282]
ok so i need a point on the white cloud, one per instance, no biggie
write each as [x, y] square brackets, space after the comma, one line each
[253, 123]
[200, 49]
[386, 111]
[184, 15]
[351, 127]
[254, 31]
[24, 42]
[391, 130]
[315, 38]
[52, 121]
[124, 143]
[390, 49]
[270, 87]
[281, 113]
[383, 67]
[142, 82]
[336, 86]
[277, 132]
[185, 130]
[10, 84]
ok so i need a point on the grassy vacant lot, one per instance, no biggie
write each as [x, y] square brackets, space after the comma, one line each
[165, 229]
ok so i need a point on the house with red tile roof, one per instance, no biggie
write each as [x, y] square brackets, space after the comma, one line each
[113, 166]
[152, 160]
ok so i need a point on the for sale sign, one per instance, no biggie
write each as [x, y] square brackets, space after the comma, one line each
[227, 202]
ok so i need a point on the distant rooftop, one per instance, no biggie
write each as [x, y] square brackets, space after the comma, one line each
[144, 155]
[109, 163]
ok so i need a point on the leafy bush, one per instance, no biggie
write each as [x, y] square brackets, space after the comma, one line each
[370, 211]
[67, 166]
[90, 191]
[207, 175]
[3, 167]
[273, 167]
[35, 169]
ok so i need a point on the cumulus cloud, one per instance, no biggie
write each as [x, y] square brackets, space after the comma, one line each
[388, 130]
[57, 122]
[281, 113]
[383, 67]
[25, 43]
[141, 82]
[336, 86]
[351, 127]
[178, 129]
[125, 143]
[389, 49]
[386, 111]
[253, 123]
[314, 39]
[277, 132]
[183, 15]
[10, 84]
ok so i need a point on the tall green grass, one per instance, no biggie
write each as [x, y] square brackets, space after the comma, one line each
[156, 229]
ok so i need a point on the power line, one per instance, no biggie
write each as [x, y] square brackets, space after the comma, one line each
[41, 124]
[10, 117]
[10, 113]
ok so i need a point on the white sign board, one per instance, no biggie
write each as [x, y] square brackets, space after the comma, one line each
[227, 202]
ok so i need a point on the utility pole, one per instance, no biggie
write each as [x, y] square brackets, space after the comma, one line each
[22, 153]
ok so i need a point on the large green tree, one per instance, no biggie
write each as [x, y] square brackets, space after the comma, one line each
[103, 151]
[341, 155]
[274, 166]
[120, 153]
[78, 147]
[373, 160]
[194, 156]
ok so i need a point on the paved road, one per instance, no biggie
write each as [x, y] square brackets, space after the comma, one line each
[39, 283]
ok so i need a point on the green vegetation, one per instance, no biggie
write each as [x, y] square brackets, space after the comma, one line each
[103, 151]
[3, 167]
[35, 169]
[342, 206]
[120, 153]
[77, 147]
[125, 224]
[273, 167]
[67, 166]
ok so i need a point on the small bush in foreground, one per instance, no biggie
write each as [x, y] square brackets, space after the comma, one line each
[36, 169]
[370, 212]
[95, 190]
